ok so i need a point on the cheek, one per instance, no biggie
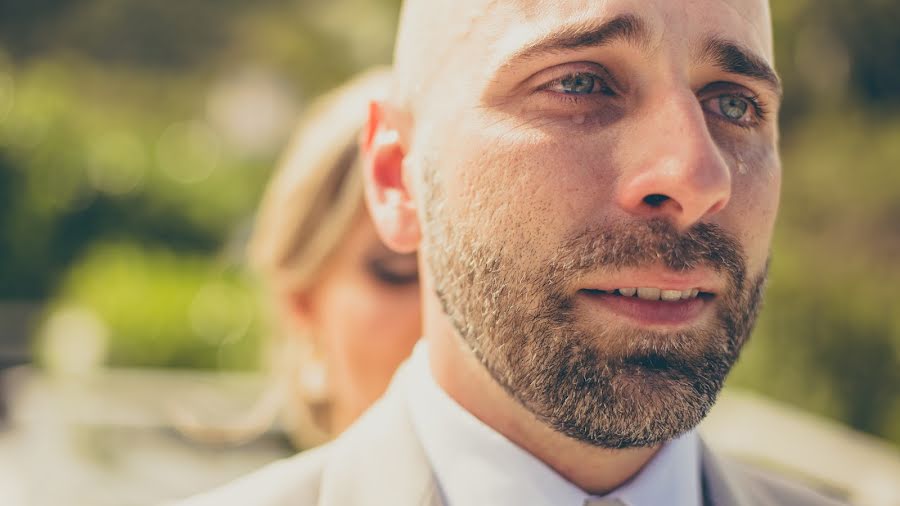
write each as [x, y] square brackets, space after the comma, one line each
[367, 330]
[387, 324]
[525, 184]
[754, 205]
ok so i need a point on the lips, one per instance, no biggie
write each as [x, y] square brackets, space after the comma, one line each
[654, 296]
[654, 293]
[650, 311]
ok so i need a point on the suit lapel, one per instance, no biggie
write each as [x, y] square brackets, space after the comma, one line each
[379, 460]
[722, 484]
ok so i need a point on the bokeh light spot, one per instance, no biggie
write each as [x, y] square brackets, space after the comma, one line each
[188, 152]
[220, 313]
[116, 163]
[253, 109]
[75, 341]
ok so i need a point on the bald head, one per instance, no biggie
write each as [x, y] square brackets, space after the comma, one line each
[430, 33]
[454, 39]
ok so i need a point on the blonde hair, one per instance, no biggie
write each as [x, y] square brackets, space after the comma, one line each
[312, 199]
[316, 192]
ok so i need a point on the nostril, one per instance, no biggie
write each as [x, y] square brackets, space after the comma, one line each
[655, 200]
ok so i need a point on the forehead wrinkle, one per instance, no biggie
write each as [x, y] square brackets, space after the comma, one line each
[759, 19]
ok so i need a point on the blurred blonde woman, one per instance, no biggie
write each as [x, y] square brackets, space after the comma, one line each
[346, 307]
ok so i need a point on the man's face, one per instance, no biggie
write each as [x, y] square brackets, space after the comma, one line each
[600, 182]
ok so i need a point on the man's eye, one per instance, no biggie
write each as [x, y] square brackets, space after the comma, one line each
[581, 83]
[734, 108]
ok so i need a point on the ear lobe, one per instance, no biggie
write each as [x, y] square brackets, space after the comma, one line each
[298, 311]
[298, 307]
[388, 197]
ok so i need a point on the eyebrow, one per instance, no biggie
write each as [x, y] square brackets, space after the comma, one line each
[731, 58]
[627, 27]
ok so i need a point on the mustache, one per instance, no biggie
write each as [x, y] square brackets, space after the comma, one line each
[633, 244]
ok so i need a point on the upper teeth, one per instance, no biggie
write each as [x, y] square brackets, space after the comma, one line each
[650, 293]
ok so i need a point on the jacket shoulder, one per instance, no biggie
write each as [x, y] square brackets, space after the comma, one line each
[765, 488]
[291, 481]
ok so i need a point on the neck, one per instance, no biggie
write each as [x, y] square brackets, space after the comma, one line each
[595, 470]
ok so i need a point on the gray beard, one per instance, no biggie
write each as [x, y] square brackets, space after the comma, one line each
[612, 388]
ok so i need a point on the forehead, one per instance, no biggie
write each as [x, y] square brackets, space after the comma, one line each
[502, 27]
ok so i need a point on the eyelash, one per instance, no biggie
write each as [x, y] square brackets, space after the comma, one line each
[605, 89]
[758, 115]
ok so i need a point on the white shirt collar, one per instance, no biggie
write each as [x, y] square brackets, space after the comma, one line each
[474, 464]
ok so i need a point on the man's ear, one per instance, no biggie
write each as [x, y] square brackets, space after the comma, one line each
[388, 196]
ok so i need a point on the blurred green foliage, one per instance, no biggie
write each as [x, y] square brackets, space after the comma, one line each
[829, 336]
[145, 306]
[132, 154]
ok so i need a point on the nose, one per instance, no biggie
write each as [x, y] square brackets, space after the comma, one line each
[678, 172]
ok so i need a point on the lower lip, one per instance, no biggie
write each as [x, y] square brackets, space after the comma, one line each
[649, 312]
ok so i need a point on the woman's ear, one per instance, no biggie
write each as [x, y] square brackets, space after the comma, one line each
[297, 308]
[388, 196]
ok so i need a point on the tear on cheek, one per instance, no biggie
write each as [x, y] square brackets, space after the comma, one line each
[759, 160]
[597, 118]
[749, 158]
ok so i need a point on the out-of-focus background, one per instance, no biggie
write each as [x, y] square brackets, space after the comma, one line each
[135, 138]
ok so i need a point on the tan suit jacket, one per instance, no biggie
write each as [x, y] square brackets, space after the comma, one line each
[380, 462]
